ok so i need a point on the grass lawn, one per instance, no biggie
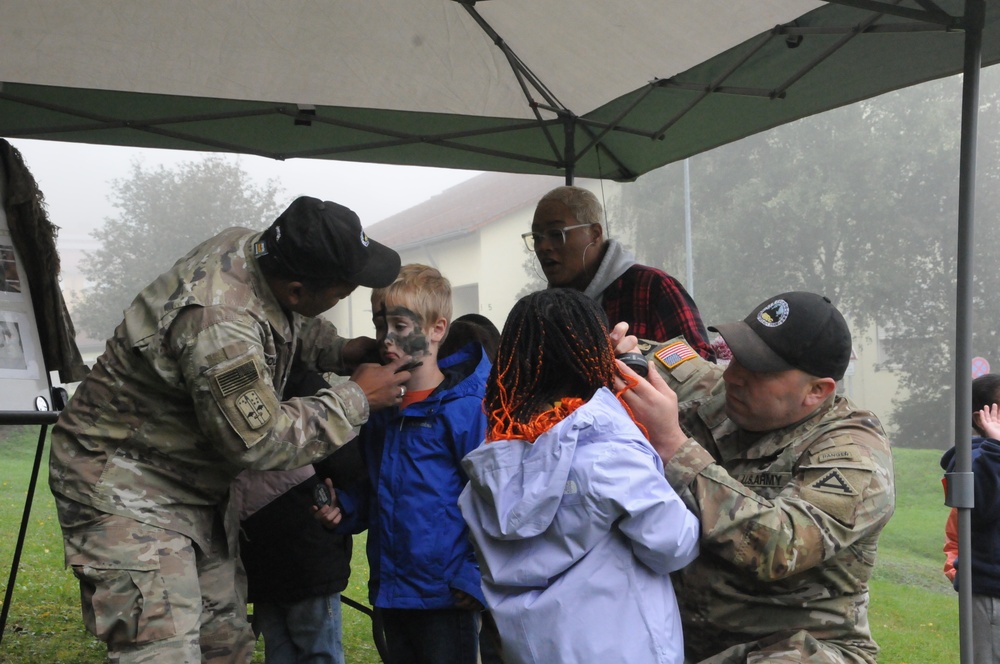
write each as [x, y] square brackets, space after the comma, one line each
[914, 611]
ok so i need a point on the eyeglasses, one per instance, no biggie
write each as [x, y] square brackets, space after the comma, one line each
[555, 236]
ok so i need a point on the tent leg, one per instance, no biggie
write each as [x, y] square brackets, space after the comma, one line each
[16, 562]
[974, 20]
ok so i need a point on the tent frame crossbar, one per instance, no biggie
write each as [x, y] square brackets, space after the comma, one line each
[524, 76]
[397, 138]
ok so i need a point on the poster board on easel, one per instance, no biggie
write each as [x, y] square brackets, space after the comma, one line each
[22, 370]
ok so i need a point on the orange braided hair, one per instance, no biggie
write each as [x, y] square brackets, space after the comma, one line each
[554, 354]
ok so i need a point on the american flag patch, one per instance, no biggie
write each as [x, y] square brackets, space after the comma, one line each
[675, 354]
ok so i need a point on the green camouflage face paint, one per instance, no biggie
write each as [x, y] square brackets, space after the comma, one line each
[403, 329]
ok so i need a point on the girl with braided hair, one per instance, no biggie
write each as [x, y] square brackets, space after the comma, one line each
[574, 525]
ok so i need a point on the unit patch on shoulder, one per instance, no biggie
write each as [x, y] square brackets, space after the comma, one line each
[675, 354]
[253, 409]
[834, 482]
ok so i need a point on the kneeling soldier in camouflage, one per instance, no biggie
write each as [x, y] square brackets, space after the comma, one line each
[791, 481]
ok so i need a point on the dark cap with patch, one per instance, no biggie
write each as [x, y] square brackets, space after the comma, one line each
[316, 239]
[795, 330]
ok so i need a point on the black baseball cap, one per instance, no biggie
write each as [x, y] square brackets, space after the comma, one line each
[794, 330]
[315, 239]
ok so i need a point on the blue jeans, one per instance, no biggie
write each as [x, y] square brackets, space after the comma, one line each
[307, 631]
[431, 636]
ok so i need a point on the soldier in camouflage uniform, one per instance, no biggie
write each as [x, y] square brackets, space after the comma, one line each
[185, 397]
[792, 483]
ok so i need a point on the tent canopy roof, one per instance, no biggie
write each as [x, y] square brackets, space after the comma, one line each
[503, 85]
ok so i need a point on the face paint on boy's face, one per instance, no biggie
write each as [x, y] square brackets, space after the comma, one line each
[400, 327]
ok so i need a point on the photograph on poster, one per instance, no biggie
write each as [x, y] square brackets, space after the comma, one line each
[10, 281]
[17, 357]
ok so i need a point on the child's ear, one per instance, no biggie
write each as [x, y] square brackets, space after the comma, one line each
[439, 329]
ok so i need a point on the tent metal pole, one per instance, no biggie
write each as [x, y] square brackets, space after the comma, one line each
[569, 150]
[960, 483]
[688, 250]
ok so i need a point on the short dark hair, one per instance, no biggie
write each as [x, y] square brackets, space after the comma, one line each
[985, 391]
[471, 328]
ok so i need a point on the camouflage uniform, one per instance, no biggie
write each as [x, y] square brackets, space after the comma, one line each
[184, 398]
[790, 521]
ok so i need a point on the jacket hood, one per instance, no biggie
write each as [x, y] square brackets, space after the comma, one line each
[948, 458]
[617, 260]
[465, 373]
[522, 484]
[465, 370]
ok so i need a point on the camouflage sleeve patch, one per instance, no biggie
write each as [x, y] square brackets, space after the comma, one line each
[244, 396]
[836, 491]
[835, 478]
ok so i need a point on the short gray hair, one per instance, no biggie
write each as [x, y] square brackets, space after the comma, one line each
[582, 203]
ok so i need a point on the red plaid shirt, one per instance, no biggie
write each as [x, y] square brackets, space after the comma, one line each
[656, 307]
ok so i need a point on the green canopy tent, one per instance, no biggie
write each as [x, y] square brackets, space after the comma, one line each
[582, 88]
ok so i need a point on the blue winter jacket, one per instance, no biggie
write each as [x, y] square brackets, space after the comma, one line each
[985, 517]
[418, 543]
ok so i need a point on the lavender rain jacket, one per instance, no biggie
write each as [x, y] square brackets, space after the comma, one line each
[576, 535]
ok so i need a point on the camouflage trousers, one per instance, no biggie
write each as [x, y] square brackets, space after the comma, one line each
[152, 595]
[784, 649]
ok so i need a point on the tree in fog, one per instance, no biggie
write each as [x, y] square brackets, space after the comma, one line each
[162, 213]
[536, 278]
[859, 204]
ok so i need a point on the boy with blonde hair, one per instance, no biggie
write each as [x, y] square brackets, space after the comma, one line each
[424, 577]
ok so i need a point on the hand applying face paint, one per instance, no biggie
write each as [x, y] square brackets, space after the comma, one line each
[383, 385]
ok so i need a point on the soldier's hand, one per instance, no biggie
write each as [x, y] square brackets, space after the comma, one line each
[654, 405]
[383, 384]
[622, 340]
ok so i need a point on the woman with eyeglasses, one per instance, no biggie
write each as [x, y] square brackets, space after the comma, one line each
[568, 240]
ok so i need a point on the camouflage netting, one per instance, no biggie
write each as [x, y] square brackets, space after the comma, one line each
[34, 238]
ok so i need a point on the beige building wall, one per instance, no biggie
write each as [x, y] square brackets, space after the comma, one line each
[866, 386]
[485, 268]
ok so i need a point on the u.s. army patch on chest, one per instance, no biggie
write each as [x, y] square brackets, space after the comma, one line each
[253, 409]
